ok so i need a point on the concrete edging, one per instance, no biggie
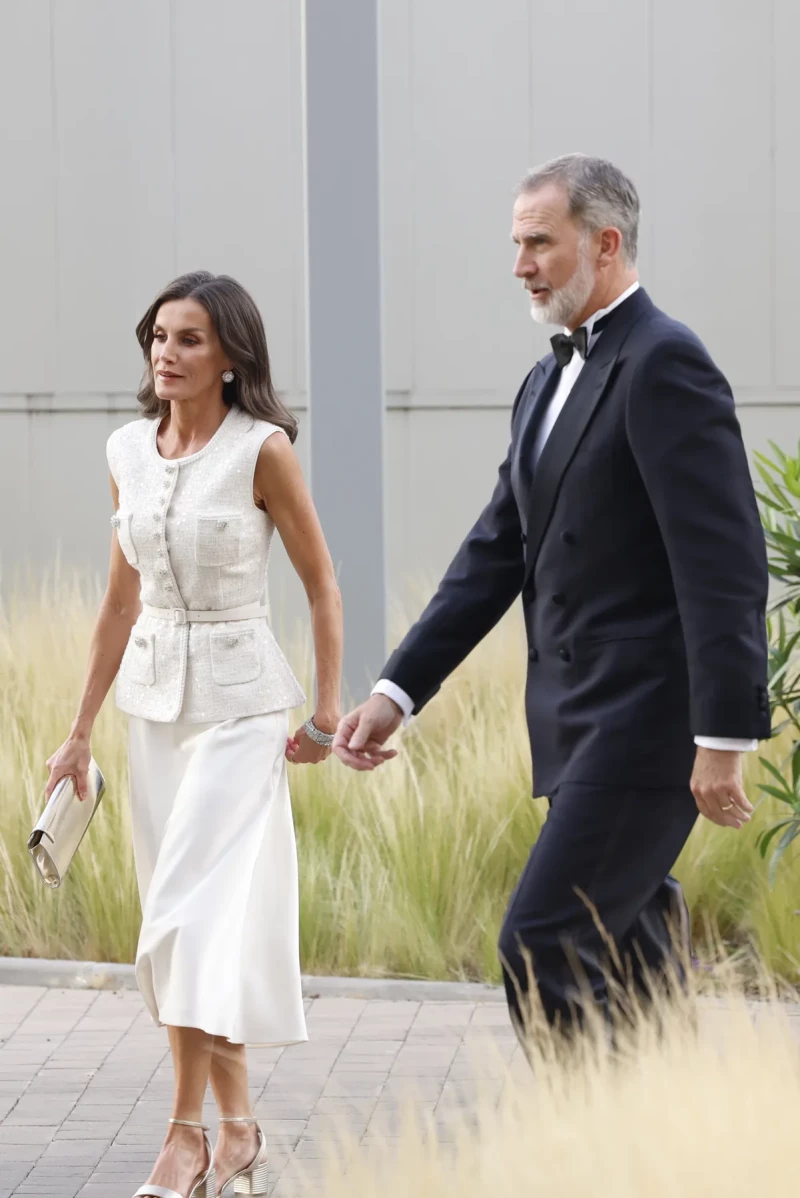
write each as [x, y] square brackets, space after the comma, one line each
[93, 975]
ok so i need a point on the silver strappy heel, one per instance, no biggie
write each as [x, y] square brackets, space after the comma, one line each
[253, 1179]
[204, 1185]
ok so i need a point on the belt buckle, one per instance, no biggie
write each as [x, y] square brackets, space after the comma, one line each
[179, 615]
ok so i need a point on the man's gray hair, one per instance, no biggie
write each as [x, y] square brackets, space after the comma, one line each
[599, 195]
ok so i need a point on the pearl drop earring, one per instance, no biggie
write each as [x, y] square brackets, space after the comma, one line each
[227, 376]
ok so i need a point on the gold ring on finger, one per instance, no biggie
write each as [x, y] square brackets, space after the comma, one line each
[726, 806]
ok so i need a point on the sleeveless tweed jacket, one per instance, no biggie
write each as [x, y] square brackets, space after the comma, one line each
[191, 529]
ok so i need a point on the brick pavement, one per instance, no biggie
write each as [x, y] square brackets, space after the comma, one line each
[86, 1084]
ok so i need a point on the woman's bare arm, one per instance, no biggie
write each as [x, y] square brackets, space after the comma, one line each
[280, 484]
[116, 616]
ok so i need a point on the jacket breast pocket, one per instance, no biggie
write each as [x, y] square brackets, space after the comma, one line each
[122, 522]
[234, 657]
[140, 658]
[216, 540]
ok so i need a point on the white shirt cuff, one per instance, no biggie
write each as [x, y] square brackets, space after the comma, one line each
[406, 704]
[727, 744]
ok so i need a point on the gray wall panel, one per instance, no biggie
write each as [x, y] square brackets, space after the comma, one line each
[445, 476]
[27, 199]
[17, 482]
[470, 94]
[397, 199]
[239, 208]
[111, 81]
[786, 236]
[588, 105]
[711, 178]
[173, 138]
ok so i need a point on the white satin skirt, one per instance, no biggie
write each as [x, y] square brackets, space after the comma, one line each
[216, 863]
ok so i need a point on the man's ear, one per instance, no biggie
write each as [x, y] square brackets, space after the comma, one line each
[610, 245]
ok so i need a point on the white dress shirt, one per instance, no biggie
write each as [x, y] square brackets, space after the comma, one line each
[569, 375]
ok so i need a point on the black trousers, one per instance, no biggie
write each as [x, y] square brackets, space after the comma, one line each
[616, 848]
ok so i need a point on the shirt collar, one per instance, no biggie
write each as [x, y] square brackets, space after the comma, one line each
[589, 324]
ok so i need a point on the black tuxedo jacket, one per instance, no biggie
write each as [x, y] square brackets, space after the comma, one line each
[637, 546]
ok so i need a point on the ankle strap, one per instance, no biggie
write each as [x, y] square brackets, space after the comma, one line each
[237, 1119]
[190, 1123]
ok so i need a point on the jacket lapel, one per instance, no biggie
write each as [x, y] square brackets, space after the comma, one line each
[532, 407]
[572, 423]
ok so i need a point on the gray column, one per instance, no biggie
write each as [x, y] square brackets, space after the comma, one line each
[345, 373]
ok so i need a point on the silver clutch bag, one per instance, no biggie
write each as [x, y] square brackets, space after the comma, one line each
[54, 841]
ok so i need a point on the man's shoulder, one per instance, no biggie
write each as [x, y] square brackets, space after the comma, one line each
[659, 340]
[658, 330]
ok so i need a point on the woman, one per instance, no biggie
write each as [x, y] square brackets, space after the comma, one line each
[198, 487]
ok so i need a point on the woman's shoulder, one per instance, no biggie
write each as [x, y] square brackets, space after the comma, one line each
[260, 435]
[134, 429]
[121, 439]
[259, 427]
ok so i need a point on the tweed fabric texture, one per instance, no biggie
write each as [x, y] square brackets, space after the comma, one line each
[191, 529]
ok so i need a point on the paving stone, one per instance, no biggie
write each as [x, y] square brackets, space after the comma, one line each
[86, 1085]
[11, 1133]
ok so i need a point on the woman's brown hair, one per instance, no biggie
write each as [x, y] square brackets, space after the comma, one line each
[241, 332]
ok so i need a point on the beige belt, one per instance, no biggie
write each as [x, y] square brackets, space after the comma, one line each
[182, 615]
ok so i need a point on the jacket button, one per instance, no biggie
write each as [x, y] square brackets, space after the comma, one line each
[233, 640]
[141, 642]
[533, 655]
[565, 655]
[559, 599]
[222, 524]
[568, 538]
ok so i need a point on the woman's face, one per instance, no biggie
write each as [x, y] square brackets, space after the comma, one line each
[186, 354]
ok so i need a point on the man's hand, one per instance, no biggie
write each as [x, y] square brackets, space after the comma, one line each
[717, 788]
[362, 733]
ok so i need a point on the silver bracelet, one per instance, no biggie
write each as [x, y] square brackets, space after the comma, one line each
[319, 738]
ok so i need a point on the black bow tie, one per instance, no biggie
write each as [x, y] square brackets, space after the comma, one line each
[565, 344]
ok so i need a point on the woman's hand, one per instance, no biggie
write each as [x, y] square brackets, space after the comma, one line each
[71, 758]
[302, 750]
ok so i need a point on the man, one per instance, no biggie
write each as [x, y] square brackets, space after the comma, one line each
[625, 516]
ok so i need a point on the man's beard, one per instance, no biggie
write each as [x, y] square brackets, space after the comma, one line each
[568, 301]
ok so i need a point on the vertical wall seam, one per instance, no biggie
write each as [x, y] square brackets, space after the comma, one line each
[296, 89]
[173, 130]
[773, 180]
[56, 191]
[412, 199]
[531, 146]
